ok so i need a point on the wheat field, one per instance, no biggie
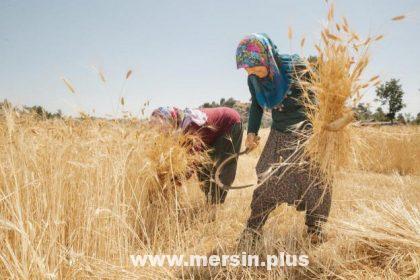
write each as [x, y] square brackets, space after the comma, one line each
[78, 196]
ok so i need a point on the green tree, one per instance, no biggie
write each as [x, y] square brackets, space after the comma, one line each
[390, 93]
[409, 118]
[223, 102]
[5, 104]
[417, 120]
[379, 115]
[363, 113]
[40, 112]
[401, 119]
[229, 103]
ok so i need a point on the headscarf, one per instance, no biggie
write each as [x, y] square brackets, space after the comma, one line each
[170, 115]
[258, 50]
[180, 119]
[193, 116]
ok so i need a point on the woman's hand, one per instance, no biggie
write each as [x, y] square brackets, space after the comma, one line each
[251, 141]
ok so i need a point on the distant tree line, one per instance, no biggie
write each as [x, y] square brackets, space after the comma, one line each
[241, 107]
[222, 103]
[363, 113]
[38, 111]
[389, 94]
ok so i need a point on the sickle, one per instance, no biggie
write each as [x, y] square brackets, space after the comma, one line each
[270, 172]
[220, 168]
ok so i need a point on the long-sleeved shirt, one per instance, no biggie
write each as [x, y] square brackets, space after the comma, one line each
[290, 111]
[219, 121]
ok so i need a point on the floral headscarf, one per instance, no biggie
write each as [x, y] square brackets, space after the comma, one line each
[180, 119]
[258, 50]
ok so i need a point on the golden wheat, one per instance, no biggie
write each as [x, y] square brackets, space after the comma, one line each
[78, 196]
[387, 149]
[334, 85]
[75, 189]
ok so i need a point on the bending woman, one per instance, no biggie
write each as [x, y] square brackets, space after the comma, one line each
[220, 130]
[272, 86]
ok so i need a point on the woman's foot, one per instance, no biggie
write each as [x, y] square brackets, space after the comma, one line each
[315, 235]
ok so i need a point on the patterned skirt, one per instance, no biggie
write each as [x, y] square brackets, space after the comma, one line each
[294, 183]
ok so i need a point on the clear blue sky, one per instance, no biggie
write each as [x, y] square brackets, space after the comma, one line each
[181, 52]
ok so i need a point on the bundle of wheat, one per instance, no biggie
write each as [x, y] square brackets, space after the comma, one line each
[168, 157]
[167, 162]
[335, 84]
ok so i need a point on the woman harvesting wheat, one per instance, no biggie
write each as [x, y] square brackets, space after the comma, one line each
[219, 131]
[271, 81]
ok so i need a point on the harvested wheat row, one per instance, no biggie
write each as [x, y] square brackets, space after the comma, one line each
[387, 149]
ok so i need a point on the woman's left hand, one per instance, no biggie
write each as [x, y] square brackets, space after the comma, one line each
[251, 141]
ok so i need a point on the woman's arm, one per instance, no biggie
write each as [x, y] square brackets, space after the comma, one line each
[255, 112]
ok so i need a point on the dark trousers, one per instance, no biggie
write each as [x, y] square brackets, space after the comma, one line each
[226, 145]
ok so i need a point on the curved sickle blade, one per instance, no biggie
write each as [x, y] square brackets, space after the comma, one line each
[286, 164]
[220, 168]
